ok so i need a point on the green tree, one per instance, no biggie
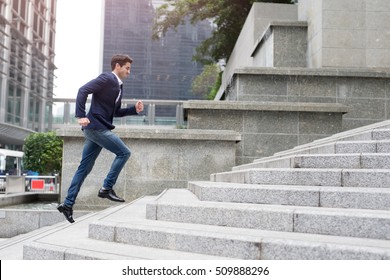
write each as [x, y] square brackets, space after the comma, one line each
[228, 16]
[43, 152]
[205, 81]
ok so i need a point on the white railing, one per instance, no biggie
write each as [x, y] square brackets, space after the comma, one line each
[35, 183]
[63, 112]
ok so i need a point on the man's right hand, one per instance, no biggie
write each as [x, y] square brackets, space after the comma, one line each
[83, 121]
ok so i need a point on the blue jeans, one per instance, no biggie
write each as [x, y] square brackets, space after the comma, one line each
[95, 140]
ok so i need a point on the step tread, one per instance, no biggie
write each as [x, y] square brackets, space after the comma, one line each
[167, 230]
[53, 242]
[186, 198]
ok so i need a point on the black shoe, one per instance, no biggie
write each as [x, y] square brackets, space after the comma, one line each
[110, 194]
[67, 211]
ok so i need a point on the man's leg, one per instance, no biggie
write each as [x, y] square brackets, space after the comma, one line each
[90, 152]
[110, 141]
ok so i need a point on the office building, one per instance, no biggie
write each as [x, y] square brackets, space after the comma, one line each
[162, 69]
[27, 36]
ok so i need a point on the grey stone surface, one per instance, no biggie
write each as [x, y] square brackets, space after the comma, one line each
[348, 222]
[33, 251]
[330, 197]
[14, 222]
[365, 93]
[356, 29]
[184, 240]
[373, 178]
[354, 197]
[369, 161]
[356, 147]
[315, 220]
[280, 249]
[285, 125]
[277, 176]
[283, 44]
[257, 194]
[161, 158]
[256, 24]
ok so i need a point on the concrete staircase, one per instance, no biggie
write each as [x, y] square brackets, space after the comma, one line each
[329, 199]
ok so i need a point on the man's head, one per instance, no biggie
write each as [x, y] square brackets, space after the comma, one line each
[121, 65]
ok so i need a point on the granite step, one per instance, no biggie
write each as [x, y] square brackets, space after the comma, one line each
[355, 160]
[65, 241]
[330, 144]
[94, 249]
[371, 178]
[239, 243]
[313, 196]
[180, 205]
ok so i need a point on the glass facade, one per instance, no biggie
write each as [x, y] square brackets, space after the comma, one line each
[27, 33]
[162, 69]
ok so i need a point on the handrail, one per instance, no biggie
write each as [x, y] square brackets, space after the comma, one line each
[148, 117]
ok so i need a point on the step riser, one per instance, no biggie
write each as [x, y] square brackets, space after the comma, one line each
[295, 250]
[232, 246]
[329, 161]
[356, 161]
[260, 196]
[367, 147]
[271, 218]
[282, 177]
[302, 197]
[381, 134]
[187, 242]
[368, 142]
[315, 177]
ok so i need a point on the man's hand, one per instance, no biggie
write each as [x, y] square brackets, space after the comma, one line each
[83, 121]
[139, 106]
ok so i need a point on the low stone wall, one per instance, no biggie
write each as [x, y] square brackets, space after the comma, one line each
[266, 127]
[365, 92]
[161, 158]
[19, 221]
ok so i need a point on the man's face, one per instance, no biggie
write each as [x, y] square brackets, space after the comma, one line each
[124, 71]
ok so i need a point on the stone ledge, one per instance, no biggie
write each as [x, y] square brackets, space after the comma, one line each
[266, 106]
[153, 133]
[268, 31]
[316, 72]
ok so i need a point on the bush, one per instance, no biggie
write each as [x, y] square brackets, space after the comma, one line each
[43, 153]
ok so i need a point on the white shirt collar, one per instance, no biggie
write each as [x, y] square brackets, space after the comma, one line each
[119, 80]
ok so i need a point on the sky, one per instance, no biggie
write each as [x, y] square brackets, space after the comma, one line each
[77, 45]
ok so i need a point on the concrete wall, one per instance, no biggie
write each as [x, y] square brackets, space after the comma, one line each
[348, 33]
[284, 44]
[255, 25]
[161, 158]
[366, 93]
[266, 128]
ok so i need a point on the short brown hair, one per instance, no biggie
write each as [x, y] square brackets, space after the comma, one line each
[120, 59]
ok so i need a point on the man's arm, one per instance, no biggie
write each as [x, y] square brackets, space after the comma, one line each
[132, 110]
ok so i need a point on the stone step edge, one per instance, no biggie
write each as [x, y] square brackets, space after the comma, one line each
[360, 133]
[216, 240]
[328, 148]
[230, 190]
[53, 252]
[326, 176]
[185, 198]
[290, 160]
[183, 206]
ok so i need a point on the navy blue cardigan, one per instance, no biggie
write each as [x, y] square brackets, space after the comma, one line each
[104, 90]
